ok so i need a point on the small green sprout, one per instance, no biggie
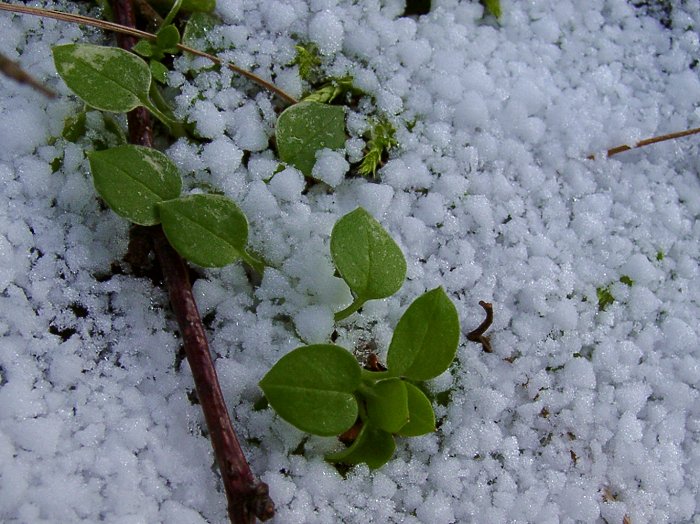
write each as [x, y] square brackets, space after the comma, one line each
[493, 7]
[334, 88]
[605, 297]
[308, 60]
[627, 280]
[382, 138]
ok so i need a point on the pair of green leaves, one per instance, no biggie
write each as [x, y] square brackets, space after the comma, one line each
[321, 389]
[143, 185]
[166, 42]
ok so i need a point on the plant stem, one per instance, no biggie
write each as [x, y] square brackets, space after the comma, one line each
[247, 498]
[345, 313]
[648, 141]
[122, 29]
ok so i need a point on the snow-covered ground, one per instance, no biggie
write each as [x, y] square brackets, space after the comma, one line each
[579, 415]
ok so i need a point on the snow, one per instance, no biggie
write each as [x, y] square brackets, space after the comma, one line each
[578, 415]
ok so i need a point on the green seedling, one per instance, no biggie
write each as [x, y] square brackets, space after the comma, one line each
[166, 42]
[167, 39]
[626, 280]
[367, 258]
[321, 389]
[304, 129]
[382, 139]
[334, 88]
[605, 297]
[308, 60]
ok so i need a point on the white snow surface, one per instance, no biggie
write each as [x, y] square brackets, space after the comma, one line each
[578, 415]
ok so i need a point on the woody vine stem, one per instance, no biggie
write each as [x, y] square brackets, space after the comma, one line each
[247, 497]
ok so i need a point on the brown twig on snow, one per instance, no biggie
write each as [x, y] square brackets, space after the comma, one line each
[247, 497]
[648, 141]
[478, 334]
[13, 70]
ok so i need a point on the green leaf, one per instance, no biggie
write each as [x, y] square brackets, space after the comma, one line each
[493, 7]
[144, 48]
[209, 230]
[387, 404]
[167, 38]
[196, 29]
[421, 417]
[106, 78]
[74, 126]
[367, 258]
[373, 447]
[307, 127]
[312, 388]
[158, 71]
[133, 179]
[425, 339]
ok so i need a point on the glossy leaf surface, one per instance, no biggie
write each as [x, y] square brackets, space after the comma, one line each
[373, 447]
[367, 258]
[132, 180]
[209, 230]
[387, 405]
[421, 417]
[312, 388]
[106, 78]
[425, 339]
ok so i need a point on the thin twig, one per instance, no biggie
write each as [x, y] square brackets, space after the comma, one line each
[478, 334]
[118, 28]
[649, 141]
[13, 70]
[247, 497]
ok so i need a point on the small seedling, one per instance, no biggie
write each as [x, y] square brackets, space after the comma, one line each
[308, 60]
[382, 138]
[334, 88]
[367, 258]
[605, 297]
[626, 280]
[321, 389]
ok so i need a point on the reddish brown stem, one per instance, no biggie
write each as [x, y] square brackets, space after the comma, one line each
[478, 334]
[247, 498]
